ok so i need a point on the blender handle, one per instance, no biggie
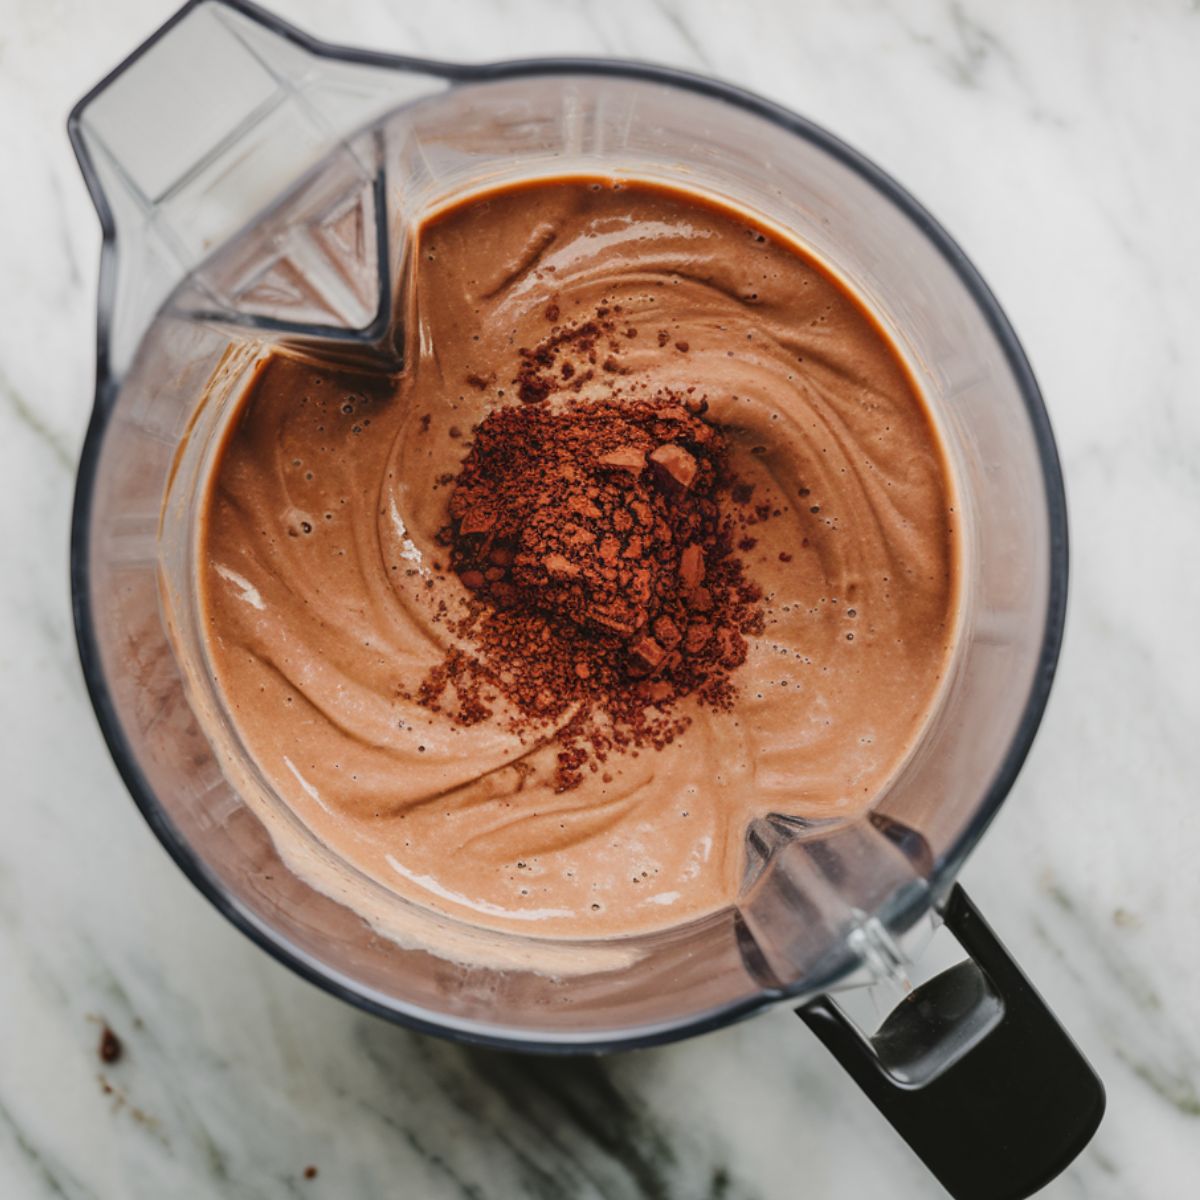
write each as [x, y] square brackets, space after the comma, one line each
[191, 141]
[973, 1070]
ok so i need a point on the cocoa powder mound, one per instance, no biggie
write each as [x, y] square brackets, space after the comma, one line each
[604, 579]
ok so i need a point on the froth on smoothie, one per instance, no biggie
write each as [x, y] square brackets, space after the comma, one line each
[344, 564]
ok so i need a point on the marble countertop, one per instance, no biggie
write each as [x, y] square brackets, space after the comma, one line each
[1057, 142]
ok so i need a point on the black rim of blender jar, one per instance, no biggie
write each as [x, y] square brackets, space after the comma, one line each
[907, 906]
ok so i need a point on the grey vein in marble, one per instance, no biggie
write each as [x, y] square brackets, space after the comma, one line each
[27, 415]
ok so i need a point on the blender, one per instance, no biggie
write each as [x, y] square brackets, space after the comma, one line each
[259, 189]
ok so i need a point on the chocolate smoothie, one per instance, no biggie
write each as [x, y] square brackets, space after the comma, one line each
[653, 535]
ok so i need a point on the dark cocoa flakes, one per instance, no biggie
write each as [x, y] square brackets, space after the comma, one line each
[675, 465]
[598, 586]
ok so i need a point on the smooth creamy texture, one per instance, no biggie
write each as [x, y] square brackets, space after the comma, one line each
[319, 588]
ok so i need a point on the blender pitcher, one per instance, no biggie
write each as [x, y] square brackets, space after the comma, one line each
[257, 188]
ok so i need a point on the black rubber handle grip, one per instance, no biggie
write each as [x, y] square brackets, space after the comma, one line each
[973, 1071]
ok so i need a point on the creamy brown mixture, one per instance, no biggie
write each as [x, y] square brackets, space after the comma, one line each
[327, 596]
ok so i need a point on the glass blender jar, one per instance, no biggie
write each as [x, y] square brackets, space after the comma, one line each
[257, 188]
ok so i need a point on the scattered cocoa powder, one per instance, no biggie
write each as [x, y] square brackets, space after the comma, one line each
[601, 567]
[541, 370]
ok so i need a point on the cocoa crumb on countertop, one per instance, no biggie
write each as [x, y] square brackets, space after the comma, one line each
[110, 1048]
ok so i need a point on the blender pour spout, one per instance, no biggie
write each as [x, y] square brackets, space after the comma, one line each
[833, 902]
[207, 137]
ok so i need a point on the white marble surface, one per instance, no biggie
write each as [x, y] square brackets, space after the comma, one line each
[1057, 141]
